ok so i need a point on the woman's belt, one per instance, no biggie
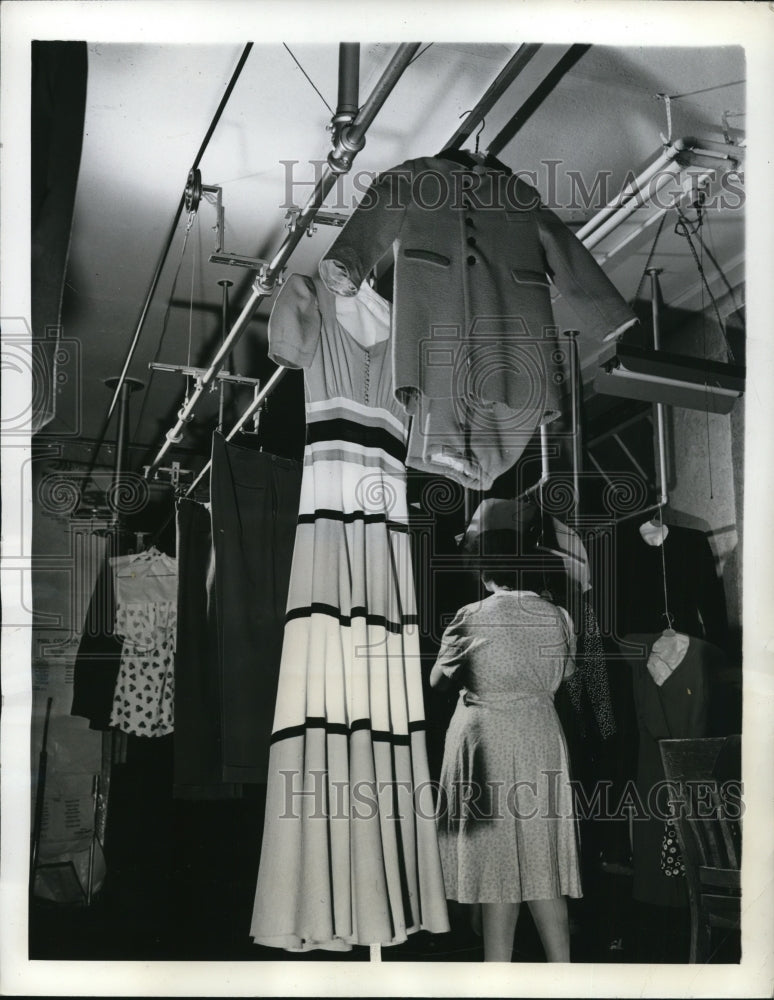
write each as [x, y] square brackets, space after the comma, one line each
[505, 700]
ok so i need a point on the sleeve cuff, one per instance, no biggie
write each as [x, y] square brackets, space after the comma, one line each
[340, 273]
[620, 329]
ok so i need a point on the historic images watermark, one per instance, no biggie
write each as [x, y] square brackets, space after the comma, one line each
[562, 188]
[548, 797]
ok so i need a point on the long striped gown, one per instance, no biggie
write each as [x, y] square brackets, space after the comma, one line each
[349, 852]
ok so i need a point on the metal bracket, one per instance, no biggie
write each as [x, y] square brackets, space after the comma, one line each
[256, 415]
[198, 374]
[263, 284]
[174, 472]
[237, 260]
[338, 123]
[321, 218]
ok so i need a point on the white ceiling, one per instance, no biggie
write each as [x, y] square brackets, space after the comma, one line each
[149, 106]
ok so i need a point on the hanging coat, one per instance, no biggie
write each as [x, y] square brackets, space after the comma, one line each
[475, 355]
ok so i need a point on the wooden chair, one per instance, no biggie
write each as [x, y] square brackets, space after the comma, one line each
[709, 832]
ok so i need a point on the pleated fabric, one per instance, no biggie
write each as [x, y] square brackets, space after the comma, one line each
[349, 853]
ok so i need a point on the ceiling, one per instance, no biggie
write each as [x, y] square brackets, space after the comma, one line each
[149, 107]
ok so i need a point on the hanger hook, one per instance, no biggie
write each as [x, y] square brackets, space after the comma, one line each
[481, 127]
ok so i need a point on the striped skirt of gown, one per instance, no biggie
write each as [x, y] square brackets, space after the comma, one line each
[349, 853]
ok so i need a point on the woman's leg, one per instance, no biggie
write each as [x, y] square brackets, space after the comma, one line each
[499, 926]
[550, 916]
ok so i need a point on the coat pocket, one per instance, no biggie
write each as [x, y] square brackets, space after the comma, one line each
[427, 255]
[525, 277]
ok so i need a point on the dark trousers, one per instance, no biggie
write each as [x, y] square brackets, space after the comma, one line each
[255, 499]
[198, 739]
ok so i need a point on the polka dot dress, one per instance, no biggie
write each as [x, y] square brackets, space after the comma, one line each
[146, 621]
[144, 699]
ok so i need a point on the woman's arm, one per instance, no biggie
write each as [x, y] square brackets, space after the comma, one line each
[451, 655]
[438, 679]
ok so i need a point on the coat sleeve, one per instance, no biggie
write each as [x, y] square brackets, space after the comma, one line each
[369, 233]
[601, 309]
[295, 323]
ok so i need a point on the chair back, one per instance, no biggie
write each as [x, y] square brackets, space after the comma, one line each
[705, 789]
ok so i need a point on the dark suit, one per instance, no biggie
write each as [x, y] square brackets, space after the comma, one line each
[474, 343]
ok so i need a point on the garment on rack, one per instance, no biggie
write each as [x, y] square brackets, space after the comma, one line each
[475, 356]
[676, 709]
[198, 754]
[254, 498]
[695, 597]
[348, 856]
[99, 655]
[146, 621]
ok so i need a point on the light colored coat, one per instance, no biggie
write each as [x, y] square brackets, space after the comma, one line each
[472, 321]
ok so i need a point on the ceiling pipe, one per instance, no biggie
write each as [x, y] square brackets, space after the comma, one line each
[634, 188]
[350, 141]
[349, 80]
[680, 154]
[536, 98]
[661, 180]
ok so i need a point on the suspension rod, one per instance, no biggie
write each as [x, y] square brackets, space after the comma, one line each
[660, 409]
[173, 229]
[350, 141]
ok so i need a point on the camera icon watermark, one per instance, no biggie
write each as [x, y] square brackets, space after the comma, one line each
[39, 374]
[494, 382]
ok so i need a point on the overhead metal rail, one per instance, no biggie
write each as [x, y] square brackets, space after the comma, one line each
[172, 230]
[493, 93]
[302, 218]
[266, 277]
[536, 98]
[349, 139]
[120, 379]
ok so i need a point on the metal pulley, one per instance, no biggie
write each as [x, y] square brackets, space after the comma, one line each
[193, 190]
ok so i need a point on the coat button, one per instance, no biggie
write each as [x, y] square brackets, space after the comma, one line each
[471, 260]
[471, 241]
[468, 221]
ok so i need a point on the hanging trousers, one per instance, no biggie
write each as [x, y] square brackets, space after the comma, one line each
[255, 498]
[198, 741]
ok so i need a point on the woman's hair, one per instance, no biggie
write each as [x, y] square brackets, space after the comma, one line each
[513, 577]
[540, 574]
